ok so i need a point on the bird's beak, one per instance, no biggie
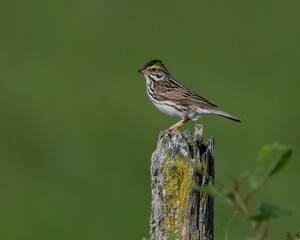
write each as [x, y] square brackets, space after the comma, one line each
[142, 71]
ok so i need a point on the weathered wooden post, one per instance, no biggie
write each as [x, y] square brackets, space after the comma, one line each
[176, 207]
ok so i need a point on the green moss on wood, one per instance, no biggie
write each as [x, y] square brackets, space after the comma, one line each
[176, 181]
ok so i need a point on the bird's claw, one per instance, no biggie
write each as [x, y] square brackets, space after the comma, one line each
[167, 131]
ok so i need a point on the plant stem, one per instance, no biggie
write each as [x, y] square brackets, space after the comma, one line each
[266, 232]
[260, 183]
[244, 208]
[254, 190]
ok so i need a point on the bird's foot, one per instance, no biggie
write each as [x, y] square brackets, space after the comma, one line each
[167, 131]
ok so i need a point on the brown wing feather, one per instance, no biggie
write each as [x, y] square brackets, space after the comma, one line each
[175, 91]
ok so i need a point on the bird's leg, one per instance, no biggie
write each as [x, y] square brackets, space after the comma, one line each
[180, 123]
[175, 127]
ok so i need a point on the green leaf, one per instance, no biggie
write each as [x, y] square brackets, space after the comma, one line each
[266, 150]
[270, 212]
[219, 193]
[198, 166]
[283, 161]
[173, 236]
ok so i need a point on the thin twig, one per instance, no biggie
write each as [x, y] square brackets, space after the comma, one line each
[238, 184]
[229, 222]
[254, 190]
[266, 232]
[259, 184]
[235, 206]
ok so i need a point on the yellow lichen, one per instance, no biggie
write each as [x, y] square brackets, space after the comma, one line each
[176, 183]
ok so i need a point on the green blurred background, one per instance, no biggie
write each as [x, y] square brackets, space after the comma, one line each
[77, 127]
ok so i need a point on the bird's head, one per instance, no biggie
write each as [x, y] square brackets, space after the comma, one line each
[155, 68]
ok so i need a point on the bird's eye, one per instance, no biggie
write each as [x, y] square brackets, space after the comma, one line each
[153, 69]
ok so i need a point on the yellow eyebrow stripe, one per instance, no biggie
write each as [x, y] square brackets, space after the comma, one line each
[154, 66]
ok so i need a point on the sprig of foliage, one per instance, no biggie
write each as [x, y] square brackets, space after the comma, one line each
[231, 196]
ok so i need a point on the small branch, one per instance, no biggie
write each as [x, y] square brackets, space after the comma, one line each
[264, 178]
[238, 184]
[235, 206]
[266, 232]
[251, 194]
[257, 187]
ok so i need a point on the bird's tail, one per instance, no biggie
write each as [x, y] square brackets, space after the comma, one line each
[227, 115]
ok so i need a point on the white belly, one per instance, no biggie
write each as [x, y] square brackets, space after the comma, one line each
[168, 108]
